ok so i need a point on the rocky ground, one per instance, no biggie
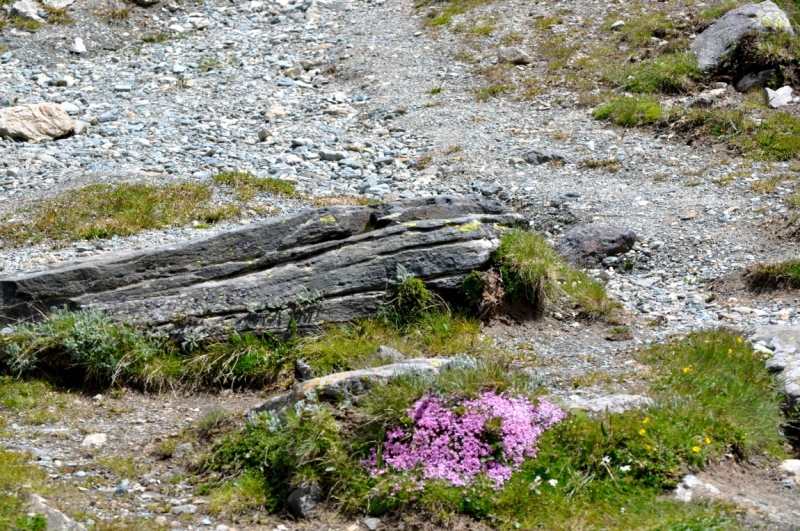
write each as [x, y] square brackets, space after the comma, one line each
[336, 96]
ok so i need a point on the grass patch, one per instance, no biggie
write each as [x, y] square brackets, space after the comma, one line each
[25, 24]
[674, 73]
[774, 136]
[57, 16]
[122, 467]
[492, 91]
[511, 38]
[630, 111]
[611, 164]
[342, 200]
[86, 345]
[770, 184]
[778, 275]
[712, 395]
[546, 23]
[714, 12]
[435, 90]
[531, 268]
[104, 210]
[157, 38]
[556, 52]
[17, 480]
[117, 14]
[248, 185]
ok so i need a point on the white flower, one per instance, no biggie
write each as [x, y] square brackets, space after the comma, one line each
[606, 460]
[625, 468]
[553, 482]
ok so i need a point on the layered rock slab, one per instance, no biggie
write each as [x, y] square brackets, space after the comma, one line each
[298, 271]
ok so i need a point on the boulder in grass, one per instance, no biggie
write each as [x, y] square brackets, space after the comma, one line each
[721, 38]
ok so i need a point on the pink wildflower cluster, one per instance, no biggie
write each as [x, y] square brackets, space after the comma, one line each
[454, 441]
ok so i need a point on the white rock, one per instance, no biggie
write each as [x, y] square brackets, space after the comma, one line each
[791, 467]
[26, 9]
[778, 98]
[37, 122]
[78, 46]
[689, 481]
[58, 4]
[276, 112]
[618, 25]
[95, 440]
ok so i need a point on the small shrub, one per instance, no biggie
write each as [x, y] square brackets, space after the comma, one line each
[673, 73]
[630, 111]
[157, 38]
[85, 341]
[410, 297]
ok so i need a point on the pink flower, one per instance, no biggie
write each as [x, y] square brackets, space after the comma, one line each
[457, 447]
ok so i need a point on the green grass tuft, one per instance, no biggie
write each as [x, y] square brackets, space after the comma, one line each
[778, 275]
[673, 73]
[248, 185]
[532, 268]
[630, 111]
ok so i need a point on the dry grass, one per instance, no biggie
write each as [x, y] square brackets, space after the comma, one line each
[341, 200]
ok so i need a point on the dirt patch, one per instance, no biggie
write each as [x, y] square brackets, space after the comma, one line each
[756, 489]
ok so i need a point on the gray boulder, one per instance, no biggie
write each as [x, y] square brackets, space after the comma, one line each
[303, 500]
[514, 56]
[755, 79]
[590, 244]
[310, 268]
[719, 40]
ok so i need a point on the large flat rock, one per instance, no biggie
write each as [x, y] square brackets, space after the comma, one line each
[303, 270]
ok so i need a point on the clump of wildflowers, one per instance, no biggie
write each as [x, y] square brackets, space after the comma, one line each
[455, 440]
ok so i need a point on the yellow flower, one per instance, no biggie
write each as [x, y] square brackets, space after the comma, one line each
[646, 420]
[686, 370]
[730, 351]
[696, 449]
[647, 447]
[738, 339]
[642, 431]
[708, 441]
